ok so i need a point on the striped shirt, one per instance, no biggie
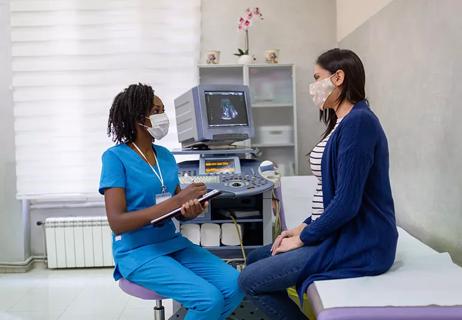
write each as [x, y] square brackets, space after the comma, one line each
[315, 164]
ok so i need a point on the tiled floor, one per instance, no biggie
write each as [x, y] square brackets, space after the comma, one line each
[89, 294]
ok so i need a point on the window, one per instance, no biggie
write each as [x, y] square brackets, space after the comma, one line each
[69, 60]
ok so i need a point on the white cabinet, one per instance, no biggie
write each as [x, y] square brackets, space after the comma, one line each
[272, 91]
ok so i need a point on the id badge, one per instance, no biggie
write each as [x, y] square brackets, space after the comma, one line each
[161, 197]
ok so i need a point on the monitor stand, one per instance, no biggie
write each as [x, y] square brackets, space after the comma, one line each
[205, 146]
[201, 146]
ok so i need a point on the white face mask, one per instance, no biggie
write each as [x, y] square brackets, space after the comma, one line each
[321, 90]
[160, 124]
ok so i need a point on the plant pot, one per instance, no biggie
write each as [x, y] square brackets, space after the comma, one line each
[245, 59]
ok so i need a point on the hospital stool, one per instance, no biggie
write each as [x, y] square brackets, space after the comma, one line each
[146, 294]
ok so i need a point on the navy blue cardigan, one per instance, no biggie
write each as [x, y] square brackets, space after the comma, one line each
[356, 235]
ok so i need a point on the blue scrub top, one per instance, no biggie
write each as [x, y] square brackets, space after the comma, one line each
[124, 168]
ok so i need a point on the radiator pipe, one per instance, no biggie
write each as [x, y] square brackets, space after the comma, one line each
[23, 263]
[42, 224]
[68, 205]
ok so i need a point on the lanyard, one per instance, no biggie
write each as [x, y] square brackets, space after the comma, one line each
[158, 175]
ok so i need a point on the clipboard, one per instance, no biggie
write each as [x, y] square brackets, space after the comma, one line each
[177, 211]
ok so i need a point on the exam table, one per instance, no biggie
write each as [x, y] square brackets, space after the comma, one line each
[422, 283]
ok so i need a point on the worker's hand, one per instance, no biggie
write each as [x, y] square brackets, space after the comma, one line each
[288, 244]
[191, 192]
[193, 208]
[286, 234]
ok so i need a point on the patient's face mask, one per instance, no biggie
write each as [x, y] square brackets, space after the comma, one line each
[160, 124]
[321, 90]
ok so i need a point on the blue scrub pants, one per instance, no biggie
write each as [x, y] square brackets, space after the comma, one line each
[194, 277]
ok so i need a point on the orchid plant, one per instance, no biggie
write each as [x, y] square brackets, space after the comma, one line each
[245, 22]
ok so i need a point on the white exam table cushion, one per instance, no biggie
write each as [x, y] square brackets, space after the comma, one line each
[420, 276]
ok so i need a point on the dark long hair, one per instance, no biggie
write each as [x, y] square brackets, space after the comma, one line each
[130, 106]
[353, 84]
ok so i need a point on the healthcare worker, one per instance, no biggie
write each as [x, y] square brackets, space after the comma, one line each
[353, 231]
[139, 180]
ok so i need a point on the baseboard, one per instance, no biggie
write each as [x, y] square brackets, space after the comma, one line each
[22, 267]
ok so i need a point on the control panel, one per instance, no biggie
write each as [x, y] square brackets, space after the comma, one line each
[239, 177]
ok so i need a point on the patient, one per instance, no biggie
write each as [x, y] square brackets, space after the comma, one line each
[139, 180]
[352, 229]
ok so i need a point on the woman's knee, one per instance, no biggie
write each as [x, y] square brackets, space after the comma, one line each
[258, 254]
[253, 256]
[246, 281]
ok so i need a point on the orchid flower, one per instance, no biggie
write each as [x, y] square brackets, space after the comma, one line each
[244, 23]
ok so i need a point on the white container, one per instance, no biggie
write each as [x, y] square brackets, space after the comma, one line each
[245, 59]
[274, 135]
[229, 235]
[210, 235]
[192, 231]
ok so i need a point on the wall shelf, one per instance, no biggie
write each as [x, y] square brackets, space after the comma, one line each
[273, 97]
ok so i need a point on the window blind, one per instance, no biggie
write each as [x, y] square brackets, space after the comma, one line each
[69, 60]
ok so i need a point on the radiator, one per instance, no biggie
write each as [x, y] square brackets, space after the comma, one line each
[78, 242]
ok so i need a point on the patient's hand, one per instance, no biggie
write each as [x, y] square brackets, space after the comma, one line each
[288, 244]
[285, 234]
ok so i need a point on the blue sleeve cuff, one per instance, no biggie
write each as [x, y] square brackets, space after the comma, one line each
[307, 220]
[306, 236]
[103, 188]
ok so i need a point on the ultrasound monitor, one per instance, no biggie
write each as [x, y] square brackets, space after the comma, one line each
[214, 115]
[226, 108]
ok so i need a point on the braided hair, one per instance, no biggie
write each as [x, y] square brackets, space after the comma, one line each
[130, 106]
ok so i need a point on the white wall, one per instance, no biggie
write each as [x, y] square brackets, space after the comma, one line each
[301, 29]
[412, 53]
[13, 238]
[352, 13]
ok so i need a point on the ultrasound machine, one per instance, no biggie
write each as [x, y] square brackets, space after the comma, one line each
[210, 120]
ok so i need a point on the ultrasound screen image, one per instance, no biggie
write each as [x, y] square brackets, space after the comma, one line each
[226, 108]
